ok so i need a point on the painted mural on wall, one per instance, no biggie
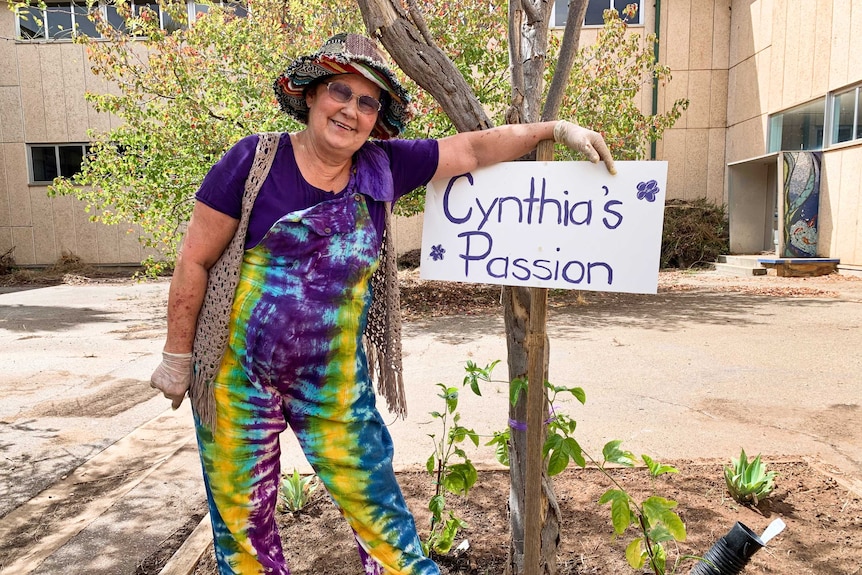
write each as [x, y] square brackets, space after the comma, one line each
[801, 203]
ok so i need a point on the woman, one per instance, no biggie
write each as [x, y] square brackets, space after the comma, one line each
[294, 343]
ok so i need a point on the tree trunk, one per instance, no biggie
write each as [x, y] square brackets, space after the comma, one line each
[408, 41]
[528, 36]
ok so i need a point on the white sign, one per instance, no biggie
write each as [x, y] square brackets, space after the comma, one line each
[567, 225]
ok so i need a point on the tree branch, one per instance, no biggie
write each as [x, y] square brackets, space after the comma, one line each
[419, 21]
[568, 51]
[421, 59]
[533, 15]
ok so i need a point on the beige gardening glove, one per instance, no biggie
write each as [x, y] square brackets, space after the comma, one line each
[589, 143]
[173, 376]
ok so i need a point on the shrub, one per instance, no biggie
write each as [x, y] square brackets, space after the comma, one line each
[695, 233]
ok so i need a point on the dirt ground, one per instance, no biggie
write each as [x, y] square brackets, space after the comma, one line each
[823, 534]
[823, 515]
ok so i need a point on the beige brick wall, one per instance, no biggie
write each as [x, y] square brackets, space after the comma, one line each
[42, 88]
[694, 43]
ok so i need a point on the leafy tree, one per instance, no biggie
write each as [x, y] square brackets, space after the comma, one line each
[606, 80]
[183, 98]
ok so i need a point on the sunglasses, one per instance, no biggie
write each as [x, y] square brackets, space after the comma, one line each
[341, 93]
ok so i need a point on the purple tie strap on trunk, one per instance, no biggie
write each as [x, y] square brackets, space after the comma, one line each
[522, 425]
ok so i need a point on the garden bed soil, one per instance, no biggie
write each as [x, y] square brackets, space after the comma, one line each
[823, 517]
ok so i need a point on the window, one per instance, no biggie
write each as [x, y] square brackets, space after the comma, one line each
[799, 128]
[64, 20]
[49, 161]
[55, 21]
[595, 10]
[846, 116]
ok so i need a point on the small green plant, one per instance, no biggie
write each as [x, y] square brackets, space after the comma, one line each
[748, 483]
[449, 464]
[295, 492]
[559, 447]
[654, 517]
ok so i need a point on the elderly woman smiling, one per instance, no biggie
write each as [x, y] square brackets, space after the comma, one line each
[271, 294]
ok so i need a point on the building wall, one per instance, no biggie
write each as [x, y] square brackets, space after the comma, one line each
[42, 88]
[788, 52]
[694, 41]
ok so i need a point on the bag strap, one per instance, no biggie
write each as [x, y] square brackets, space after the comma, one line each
[213, 326]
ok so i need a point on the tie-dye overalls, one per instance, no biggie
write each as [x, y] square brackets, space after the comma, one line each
[295, 358]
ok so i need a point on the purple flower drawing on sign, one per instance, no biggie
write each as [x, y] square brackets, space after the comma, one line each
[648, 190]
[437, 252]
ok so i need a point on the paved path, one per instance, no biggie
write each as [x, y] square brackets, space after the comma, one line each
[98, 474]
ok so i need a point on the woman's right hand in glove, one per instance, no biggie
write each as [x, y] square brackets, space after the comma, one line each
[173, 376]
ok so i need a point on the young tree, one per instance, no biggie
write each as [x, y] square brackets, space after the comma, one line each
[602, 91]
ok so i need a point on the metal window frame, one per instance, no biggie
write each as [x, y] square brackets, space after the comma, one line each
[826, 122]
[31, 179]
[830, 114]
[73, 32]
[103, 8]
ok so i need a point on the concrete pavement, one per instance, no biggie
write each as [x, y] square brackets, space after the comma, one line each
[98, 474]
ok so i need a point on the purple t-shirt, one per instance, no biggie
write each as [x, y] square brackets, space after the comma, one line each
[412, 162]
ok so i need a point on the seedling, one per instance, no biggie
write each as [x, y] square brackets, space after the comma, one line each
[295, 492]
[748, 483]
[449, 464]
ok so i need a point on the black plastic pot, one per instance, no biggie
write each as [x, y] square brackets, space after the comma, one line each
[731, 553]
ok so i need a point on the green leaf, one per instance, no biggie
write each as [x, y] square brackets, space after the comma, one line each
[613, 454]
[658, 510]
[437, 504]
[552, 442]
[431, 464]
[655, 468]
[621, 516]
[557, 462]
[635, 555]
[517, 386]
[573, 449]
[501, 449]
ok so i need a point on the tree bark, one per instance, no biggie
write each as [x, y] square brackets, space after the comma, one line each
[528, 29]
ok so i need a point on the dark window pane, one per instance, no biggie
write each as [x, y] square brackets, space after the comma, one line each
[240, 10]
[83, 25]
[858, 113]
[802, 127]
[561, 11]
[169, 24]
[595, 10]
[59, 20]
[200, 9]
[71, 158]
[114, 18]
[30, 19]
[843, 117]
[44, 161]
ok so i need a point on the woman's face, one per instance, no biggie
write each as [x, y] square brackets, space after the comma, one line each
[341, 124]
